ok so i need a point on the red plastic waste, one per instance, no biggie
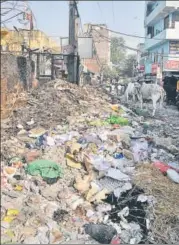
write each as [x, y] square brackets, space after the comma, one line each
[116, 240]
[161, 166]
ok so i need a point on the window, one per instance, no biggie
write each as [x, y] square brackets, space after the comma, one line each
[175, 17]
[157, 32]
[156, 57]
[166, 22]
[150, 30]
[149, 9]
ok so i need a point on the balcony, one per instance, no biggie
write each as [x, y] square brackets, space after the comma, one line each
[153, 41]
[161, 10]
[167, 34]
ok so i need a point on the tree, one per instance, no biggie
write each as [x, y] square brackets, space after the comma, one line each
[11, 10]
[118, 51]
[129, 65]
[108, 72]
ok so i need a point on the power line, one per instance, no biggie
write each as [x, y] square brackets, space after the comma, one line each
[130, 35]
[137, 50]
[11, 17]
[101, 11]
[113, 11]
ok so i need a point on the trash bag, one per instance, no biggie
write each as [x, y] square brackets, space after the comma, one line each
[49, 171]
[101, 233]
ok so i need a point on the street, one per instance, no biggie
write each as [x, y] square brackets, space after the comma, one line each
[89, 122]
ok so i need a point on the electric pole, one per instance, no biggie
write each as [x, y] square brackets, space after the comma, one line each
[72, 42]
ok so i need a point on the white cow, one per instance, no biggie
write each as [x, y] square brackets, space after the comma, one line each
[152, 92]
[131, 90]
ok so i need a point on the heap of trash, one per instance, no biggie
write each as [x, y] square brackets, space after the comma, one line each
[77, 168]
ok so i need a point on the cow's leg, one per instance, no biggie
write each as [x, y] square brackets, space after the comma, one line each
[127, 97]
[154, 101]
[133, 97]
[141, 102]
[161, 102]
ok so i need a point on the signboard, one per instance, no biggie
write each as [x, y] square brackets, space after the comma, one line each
[85, 47]
[58, 57]
[159, 73]
[174, 47]
[142, 68]
[171, 65]
[154, 68]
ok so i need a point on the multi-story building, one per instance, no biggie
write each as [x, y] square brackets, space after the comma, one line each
[101, 57]
[162, 37]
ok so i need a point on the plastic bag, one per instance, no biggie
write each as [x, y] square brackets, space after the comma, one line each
[173, 175]
[47, 169]
[161, 166]
[118, 120]
[140, 150]
[99, 163]
[174, 165]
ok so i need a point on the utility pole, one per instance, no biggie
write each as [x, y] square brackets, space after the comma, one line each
[72, 42]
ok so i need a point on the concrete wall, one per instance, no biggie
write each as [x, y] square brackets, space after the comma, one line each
[16, 77]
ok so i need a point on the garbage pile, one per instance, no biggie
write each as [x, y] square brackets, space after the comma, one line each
[74, 170]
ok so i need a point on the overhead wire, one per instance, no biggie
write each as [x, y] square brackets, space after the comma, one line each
[131, 35]
[97, 57]
[113, 11]
[137, 50]
[101, 11]
[2, 22]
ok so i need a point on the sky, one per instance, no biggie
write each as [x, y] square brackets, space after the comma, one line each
[125, 16]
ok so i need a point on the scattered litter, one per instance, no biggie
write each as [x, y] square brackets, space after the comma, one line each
[59, 215]
[161, 166]
[37, 132]
[117, 174]
[173, 175]
[71, 162]
[88, 149]
[99, 163]
[140, 150]
[117, 120]
[101, 233]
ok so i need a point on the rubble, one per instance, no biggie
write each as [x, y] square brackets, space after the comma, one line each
[76, 168]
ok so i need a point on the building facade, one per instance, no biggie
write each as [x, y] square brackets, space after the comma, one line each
[162, 37]
[101, 57]
[12, 40]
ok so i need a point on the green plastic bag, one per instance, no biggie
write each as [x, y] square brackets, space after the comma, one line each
[117, 120]
[46, 169]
